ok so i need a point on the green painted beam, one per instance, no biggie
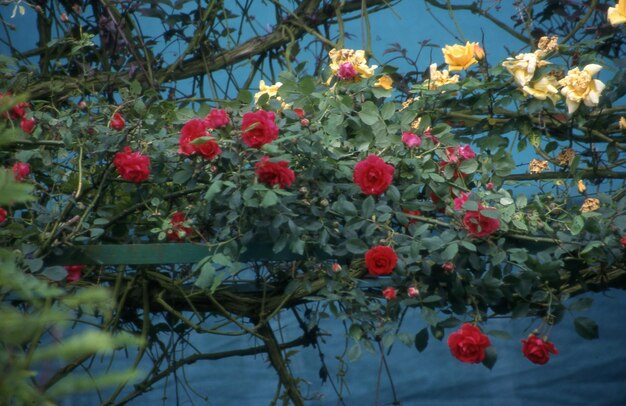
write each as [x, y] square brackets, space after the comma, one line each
[154, 254]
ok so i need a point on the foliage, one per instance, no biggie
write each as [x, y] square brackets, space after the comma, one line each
[474, 236]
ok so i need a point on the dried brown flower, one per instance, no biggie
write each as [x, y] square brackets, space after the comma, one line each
[590, 204]
[537, 166]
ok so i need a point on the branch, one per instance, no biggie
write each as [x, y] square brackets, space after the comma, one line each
[305, 19]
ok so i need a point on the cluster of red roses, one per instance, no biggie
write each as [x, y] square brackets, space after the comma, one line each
[19, 112]
[468, 344]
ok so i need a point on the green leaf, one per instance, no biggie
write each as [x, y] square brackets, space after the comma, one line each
[450, 252]
[214, 189]
[270, 199]
[577, 225]
[490, 357]
[387, 111]
[354, 353]
[356, 246]
[207, 274]
[581, 304]
[367, 208]
[504, 335]
[369, 113]
[55, 273]
[586, 328]
[468, 166]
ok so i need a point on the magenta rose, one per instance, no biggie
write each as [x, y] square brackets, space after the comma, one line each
[274, 173]
[411, 140]
[132, 166]
[258, 128]
[468, 344]
[479, 225]
[373, 175]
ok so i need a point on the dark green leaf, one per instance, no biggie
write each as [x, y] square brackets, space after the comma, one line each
[421, 339]
[586, 328]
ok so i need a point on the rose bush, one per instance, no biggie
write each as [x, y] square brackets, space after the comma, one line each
[333, 187]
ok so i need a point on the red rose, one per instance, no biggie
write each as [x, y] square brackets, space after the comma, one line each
[263, 131]
[178, 231]
[623, 241]
[380, 260]
[217, 118]
[468, 344]
[3, 215]
[460, 200]
[20, 171]
[373, 175]
[19, 110]
[117, 122]
[193, 129]
[274, 173]
[73, 272]
[537, 350]
[299, 112]
[479, 225]
[132, 166]
[28, 125]
[390, 293]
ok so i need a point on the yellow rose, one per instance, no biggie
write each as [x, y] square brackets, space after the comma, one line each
[579, 86]
[590, 204]
[581, 186]
[617, 14]
[459, 57]
[271, 91]
[622, 123]
[523, 66]
[384, 82]
[546, 87]
[438, 79]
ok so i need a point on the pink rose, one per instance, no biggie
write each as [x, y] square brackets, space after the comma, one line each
[458, 201]
[20, 171]
[373, 175]
[465, 152]
[448, 267]
[390, 293]
[412, 292]
[262, 128]
[411, 140]
[274, 173]
[132, 166]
